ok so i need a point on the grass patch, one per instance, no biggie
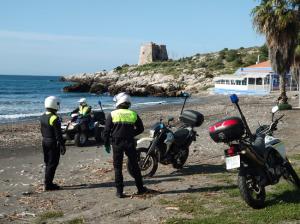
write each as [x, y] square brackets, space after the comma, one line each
[43, 217]
[295, 157]
[75, 221]
[226, 206]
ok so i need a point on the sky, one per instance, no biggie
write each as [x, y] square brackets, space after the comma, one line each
[60, 37]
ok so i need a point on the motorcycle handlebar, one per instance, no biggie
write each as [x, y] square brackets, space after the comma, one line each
[278, 119]
[273, 126]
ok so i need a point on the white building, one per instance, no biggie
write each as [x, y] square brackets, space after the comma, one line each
[258, 79]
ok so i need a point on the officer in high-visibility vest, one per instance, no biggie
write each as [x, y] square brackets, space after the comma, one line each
[122, 125]
[84, 109]
[53, 143]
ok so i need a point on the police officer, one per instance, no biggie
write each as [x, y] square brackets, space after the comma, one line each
[122, 125]
[53, 143]
[84, 109]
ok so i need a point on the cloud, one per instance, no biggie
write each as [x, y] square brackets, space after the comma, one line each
[35, 36]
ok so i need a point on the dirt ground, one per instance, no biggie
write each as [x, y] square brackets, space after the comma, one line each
[86, 174]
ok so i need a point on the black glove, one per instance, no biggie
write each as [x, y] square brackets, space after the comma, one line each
[107, 148]
[62, 148]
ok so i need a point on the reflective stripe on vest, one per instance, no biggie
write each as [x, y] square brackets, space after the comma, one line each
[83, 109]
[123, 116]
[52, 118]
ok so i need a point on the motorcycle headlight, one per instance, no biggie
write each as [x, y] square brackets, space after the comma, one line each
[152, 132]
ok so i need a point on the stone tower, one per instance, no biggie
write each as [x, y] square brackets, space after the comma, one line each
[151, 52]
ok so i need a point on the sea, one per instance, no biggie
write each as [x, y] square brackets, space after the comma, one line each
[22, 97]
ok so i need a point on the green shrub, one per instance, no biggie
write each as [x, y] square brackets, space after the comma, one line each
[284, 106]
[250, 59]
[231, 55]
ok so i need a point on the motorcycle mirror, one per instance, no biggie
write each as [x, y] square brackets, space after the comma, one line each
[275, 109]
[234, 98]
[186, 94]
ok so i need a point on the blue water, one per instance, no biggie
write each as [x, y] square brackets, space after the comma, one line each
[22, 97]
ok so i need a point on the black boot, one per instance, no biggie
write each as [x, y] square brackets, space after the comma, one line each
[143, 190]
[52, 187]
[120, 193]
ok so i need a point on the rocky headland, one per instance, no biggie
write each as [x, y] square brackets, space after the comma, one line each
[136, 83]
[169, 78]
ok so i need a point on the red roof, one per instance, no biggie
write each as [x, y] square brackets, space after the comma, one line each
[265, 64]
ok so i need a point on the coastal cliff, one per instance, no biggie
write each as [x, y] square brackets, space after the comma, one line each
[169, 78]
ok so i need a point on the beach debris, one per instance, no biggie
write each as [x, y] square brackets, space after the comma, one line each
[101, 171]
[172, 208]
[25, 214]
[4, 194]
[27, 193]
[3, 216]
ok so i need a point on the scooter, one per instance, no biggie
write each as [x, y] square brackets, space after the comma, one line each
[166, 146]
[80, 129]
[261, 158]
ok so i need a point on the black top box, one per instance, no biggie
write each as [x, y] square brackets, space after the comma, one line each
[191, 118]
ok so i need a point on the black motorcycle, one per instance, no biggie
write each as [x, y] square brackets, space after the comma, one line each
[166, 146]
[260, 157]
[80, 129]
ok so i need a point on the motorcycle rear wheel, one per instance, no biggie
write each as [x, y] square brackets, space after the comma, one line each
[149, 169]
[180, 159]
[290, 175]
[252, 193]
[80, 139]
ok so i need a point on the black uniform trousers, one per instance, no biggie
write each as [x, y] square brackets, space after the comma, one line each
[121, 146]
[51, 159]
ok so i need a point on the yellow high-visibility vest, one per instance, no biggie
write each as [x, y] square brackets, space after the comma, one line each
[83, 110]
[123, 116]
[52, 118]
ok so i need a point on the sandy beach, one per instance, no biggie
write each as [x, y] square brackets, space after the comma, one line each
[87, 177]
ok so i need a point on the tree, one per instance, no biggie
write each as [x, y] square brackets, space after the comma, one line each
[296, 62]
[279, 21]
[264, 52]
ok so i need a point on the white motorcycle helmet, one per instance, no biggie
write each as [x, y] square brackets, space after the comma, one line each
[82, 101]
[122, 98]
[52, 102]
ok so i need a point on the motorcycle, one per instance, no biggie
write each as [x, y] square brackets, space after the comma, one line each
[80, 129]
[261, 158]
[166, 146]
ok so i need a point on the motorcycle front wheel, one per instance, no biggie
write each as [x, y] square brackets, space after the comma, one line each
[80, 139]
[98, 134]
[252, 193]
[290, 174]
[180, 159]
[149, 168]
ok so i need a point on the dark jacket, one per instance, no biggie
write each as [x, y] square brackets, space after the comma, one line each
[123, 124]
[51, 127]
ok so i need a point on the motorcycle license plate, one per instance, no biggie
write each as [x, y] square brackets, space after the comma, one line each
[233, 162]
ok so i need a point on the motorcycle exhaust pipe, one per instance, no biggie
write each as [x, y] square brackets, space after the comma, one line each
[253, 156]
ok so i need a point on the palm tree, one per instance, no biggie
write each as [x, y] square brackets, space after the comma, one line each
[296, 62]
[279, 21]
